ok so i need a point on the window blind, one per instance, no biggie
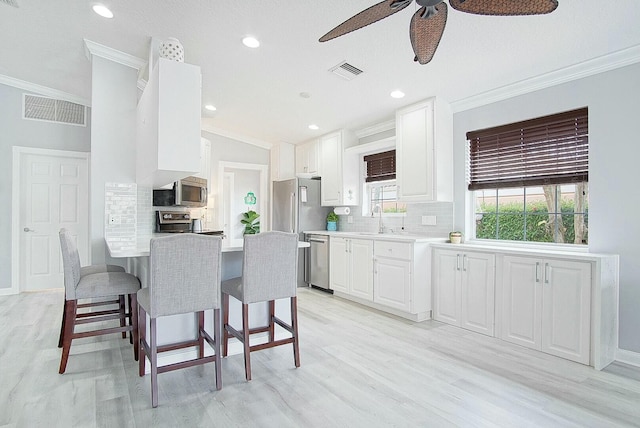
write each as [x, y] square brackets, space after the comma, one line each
[381, 166]
[548, 150]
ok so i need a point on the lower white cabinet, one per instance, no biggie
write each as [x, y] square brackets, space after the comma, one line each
[392, 278]
[546, 305]
[351, 262]
[464, 289]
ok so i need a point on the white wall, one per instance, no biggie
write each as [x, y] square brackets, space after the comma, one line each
[113, 136]
[613, 99]
[17, 131]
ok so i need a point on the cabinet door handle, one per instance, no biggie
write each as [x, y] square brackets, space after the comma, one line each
[464, 262]
[457, 261]
[547, 273]
[537, 268]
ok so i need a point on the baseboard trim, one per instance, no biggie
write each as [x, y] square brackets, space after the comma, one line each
[628, 357]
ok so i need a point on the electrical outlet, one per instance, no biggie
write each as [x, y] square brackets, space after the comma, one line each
[428, 220]
[114, 219]
[350, 219]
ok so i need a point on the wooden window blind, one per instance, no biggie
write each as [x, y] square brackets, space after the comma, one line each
[548, 150]
[381, 166]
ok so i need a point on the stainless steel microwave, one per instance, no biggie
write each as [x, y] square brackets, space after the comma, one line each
[188, 192]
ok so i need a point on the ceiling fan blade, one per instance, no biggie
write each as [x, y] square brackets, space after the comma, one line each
[425, 33]
[366, 17]
[505, 7]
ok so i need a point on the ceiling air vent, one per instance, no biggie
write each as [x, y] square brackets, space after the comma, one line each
[13, 3]
[346, 70]
[52, 110]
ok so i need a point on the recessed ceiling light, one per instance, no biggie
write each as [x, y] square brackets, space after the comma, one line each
[397, 94]
[210, 107]
[314, 127]
[251, 42]
[102, 10]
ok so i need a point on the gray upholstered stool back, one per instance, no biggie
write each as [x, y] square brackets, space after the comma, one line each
[71, 264]
[270, 266]
[184, 274]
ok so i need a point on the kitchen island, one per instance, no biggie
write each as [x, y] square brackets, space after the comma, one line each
[177, 328]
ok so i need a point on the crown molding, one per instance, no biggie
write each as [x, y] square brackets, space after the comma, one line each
[43, 90]
[588, 68]
[376, 129]
[238, 137]
[93, 48]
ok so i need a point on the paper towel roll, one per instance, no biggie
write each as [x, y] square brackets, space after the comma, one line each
[342, 210]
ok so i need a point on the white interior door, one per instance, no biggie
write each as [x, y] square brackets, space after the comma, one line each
[54, 193]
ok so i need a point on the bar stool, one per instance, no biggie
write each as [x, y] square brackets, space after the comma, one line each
[269, 272]
[184, 277]
[94, 282]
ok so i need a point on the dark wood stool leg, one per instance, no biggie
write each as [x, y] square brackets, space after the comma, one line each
[294, 326]
[142, 332]
[245, 337]
[216, 347]
[154, 363]
[200, 316]
[225, 322]
[133, 316]
[64, 312]
[123, 314]
[272, 313]
[70, 308]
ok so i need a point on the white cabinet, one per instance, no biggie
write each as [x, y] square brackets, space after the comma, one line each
[168, 124]
[424, 152]
[340, 177]
[282, 162]
[351, 266]
[205, 161]
[392, 274]
[546, 305]
[464, 289]
[308, 158]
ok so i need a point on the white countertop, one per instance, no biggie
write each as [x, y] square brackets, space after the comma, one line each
[399, 236]
[522, 249]
[143, 244]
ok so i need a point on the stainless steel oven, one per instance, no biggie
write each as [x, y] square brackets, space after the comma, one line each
[319, 261]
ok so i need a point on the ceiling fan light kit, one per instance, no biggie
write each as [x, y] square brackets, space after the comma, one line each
[427, 24]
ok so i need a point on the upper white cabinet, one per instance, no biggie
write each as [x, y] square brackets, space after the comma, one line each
[308, 158]
[282, 162]
[168, 124]
[546, 305]
[424, 152]
[340, 172]
[464, 289]
[205, 160]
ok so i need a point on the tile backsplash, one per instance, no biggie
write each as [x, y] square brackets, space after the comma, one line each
[121, 214]
[411, 223]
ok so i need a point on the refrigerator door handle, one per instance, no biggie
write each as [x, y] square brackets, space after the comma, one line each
[292, 220]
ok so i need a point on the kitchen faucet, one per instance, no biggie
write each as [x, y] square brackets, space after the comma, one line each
[378, 209]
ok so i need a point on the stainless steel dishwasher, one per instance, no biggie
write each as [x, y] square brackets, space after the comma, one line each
[319, 262]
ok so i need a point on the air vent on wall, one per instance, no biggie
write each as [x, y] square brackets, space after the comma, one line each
[13, 3]
[52, 110]
[346, 70]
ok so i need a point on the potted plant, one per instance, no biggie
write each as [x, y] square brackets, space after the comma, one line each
[251, 223]
[455, 237]
[332, 221]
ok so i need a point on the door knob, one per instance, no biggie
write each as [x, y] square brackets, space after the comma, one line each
[26, 229]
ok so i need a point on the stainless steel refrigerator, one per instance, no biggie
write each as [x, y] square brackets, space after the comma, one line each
[296, 208]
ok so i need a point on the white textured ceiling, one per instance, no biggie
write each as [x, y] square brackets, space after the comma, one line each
[257, 91]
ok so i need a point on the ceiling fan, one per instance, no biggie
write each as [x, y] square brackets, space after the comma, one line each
[427, 24]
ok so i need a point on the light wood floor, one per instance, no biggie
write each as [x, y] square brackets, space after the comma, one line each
[360, 368]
